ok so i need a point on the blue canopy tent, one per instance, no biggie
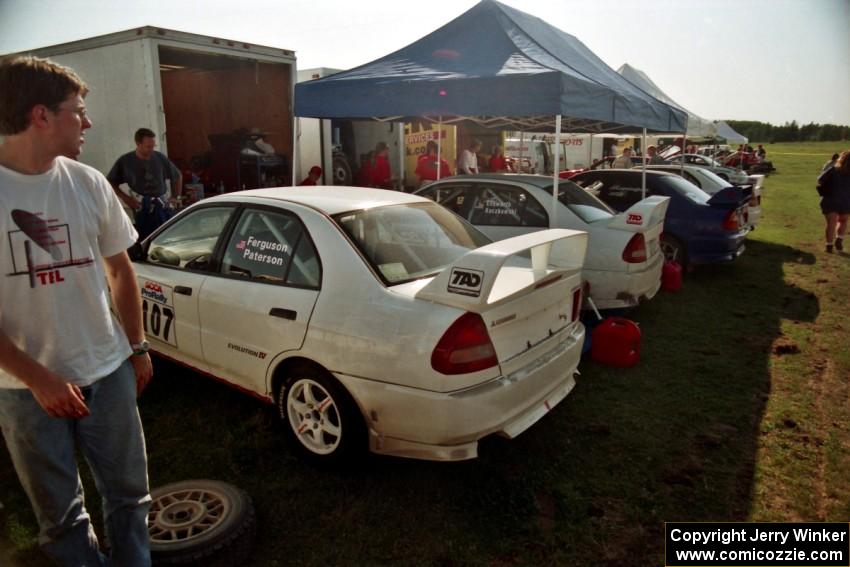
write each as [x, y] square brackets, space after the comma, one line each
[498, 67]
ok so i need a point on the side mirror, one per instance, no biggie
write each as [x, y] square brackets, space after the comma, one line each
[136, 252]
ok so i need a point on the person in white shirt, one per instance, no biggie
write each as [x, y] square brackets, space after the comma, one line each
[469, 158]
[624, 160]
[70, 371]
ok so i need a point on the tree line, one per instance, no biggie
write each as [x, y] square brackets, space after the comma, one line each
[790, 131]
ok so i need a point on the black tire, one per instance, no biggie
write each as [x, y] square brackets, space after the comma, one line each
[674, 250]
[324, 424]
[341, 170]
[203, 522]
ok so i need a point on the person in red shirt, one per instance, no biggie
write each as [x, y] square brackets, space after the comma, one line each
[381, 174]
[426, 166]
[498, 163]
[313, 176]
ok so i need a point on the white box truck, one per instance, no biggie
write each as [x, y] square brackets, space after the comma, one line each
[201, 95]
[338, 146]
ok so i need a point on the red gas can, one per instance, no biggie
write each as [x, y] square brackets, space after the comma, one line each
[616, 341]
[671, 276]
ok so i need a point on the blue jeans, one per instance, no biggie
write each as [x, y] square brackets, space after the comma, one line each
[111, 439]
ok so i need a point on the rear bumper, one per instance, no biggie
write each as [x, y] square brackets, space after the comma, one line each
[718, 249]
[421, 424]
[616, 290]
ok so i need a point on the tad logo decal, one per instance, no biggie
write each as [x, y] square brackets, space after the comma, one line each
[634, 219]
[466, 282]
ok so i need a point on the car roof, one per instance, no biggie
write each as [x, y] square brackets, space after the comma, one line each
[330, 200]
[612, 172]
[541, 181]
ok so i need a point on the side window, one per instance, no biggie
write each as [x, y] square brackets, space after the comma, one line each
[506, 206]
[452, 197]
[266, 246]
[189, 243]
[620, 196]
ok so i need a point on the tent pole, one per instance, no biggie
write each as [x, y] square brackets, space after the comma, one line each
[555, 168]
[439, 143]
[643, 167]
[684, 145]
[521, 144]
[590, 151]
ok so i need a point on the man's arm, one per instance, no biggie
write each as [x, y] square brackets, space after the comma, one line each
[115, 178]
[58, 397]
[128, 303]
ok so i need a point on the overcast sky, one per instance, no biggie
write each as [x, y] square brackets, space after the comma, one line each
[768, 60]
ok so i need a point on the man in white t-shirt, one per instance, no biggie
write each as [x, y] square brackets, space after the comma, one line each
[70, 371]
[624, 160]
[469, 158]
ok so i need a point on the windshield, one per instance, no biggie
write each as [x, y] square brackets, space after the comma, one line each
[408, 242]
[588, 207]
[686, 189]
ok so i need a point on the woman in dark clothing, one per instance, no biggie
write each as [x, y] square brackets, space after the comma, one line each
[834, 188]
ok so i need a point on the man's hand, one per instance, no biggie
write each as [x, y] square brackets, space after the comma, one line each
[133, 203]
[59, 398]
[144, 371]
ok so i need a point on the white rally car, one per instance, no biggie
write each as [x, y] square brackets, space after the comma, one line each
[624, 258]
[370, 318]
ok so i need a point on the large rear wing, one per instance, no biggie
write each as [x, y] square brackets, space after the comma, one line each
[643, 215]
[732, 197]
[494, 274]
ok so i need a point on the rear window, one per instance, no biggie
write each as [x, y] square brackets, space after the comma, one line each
[686, 189]
[408, 242]
[587, 206]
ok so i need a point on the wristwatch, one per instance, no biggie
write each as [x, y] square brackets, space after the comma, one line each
[140, 348]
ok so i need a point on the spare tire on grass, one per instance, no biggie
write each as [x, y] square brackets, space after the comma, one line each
[204, 522]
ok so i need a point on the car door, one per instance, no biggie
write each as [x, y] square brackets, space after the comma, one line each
[171, 273]
[260, 302]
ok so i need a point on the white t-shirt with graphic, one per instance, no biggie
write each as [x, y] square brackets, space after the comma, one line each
[55, 230]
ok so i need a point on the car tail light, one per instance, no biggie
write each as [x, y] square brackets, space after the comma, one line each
[635, 250]
[731, 221]
[464, 347]
[577, 302]
[754, 201]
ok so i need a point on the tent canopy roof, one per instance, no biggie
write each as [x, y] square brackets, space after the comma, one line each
[697, 127]
[726, 132]
[496, 66]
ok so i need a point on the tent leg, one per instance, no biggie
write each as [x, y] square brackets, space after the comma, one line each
[555, 177]
[643, 168]
[439, 144]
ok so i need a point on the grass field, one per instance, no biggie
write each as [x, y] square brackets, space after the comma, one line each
[739, 410]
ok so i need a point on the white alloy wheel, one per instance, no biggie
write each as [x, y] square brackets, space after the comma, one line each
[314, 416]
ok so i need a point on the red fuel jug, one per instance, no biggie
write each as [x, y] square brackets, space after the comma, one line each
[671, 276]
[616, 341]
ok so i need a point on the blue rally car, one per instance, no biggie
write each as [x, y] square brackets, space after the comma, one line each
[699, 228]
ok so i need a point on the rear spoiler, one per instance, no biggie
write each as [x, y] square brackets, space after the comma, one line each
[642, 215]
[483, 277]
[731, 197]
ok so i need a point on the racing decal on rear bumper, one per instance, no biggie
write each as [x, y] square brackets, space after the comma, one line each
[245, 350]
[464, 281]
